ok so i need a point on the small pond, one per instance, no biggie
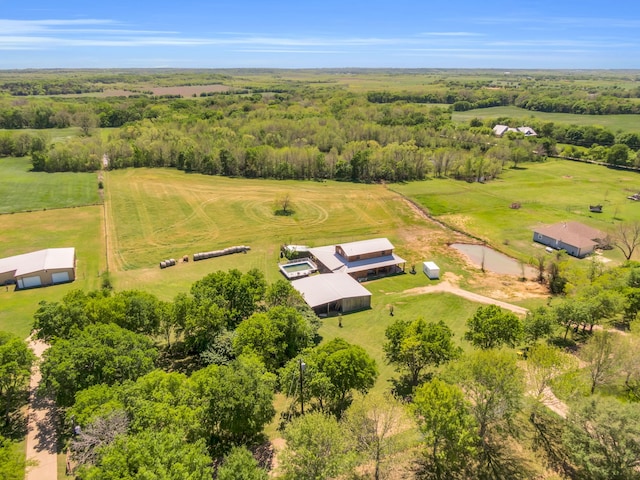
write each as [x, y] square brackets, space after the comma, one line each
[493, 261]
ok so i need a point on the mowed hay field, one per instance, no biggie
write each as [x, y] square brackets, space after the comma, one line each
[549, 192]
[80, 227]
[157, 214]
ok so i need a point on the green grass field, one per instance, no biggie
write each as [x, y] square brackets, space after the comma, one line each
[22, 190]
[624, 123]
[25, 232]
[549, 192]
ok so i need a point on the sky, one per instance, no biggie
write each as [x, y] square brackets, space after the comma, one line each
[560, 34]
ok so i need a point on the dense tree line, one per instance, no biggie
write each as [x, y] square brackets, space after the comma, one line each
[528, 97]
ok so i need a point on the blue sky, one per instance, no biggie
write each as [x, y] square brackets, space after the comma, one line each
[308, 34]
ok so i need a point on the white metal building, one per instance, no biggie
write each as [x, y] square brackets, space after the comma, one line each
[40, 268]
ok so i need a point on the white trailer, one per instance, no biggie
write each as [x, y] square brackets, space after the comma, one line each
[431, 270]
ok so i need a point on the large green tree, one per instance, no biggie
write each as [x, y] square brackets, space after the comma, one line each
[491, 326]
[414, 346]
[331, 373]
[603, 439]
[98, 354]
[448, 429]
[239, 464]
[236, 401]
[157, 454]
[317, 448]
[16, 360]
[348, 367]
[218, 302]
[12, 463]
[275, 336]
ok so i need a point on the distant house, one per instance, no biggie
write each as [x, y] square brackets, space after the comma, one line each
[575, 238]
[40, 268]
[500, 130]
[362, 260]
[335, 292]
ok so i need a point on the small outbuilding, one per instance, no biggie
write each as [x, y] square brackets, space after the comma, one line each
[40, 268]
[431, 270]
[333, 293]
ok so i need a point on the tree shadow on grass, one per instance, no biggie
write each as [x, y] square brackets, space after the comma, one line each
[283, 213]
[403, 388]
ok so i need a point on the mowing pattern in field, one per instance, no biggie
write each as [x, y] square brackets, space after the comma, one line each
[158, 214]
[548, 192]
[22, 190]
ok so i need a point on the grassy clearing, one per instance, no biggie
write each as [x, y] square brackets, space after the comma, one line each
[23, 190]
[549, 192]
[367, 328]
[24, 232]
[624, 123]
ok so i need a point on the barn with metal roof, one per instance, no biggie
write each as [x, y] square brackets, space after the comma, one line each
[333, 292]
[40, 268]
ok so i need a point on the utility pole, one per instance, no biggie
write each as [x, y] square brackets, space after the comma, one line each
[302, 367]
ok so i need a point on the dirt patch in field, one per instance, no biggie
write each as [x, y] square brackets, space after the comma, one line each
[117, 93]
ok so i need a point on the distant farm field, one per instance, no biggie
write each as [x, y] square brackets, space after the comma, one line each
[625, 123]
[21, 189]
[548, 192]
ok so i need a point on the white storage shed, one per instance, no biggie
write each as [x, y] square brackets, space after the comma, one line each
[431, 270]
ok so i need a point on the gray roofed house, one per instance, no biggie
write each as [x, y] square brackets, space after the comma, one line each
[39, 268]
[500, 130]
[362, 260]
[575, 238]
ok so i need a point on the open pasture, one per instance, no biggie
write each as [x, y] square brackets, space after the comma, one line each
[549, 192]
[157, 214]
[21, 189]
[624, 123]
